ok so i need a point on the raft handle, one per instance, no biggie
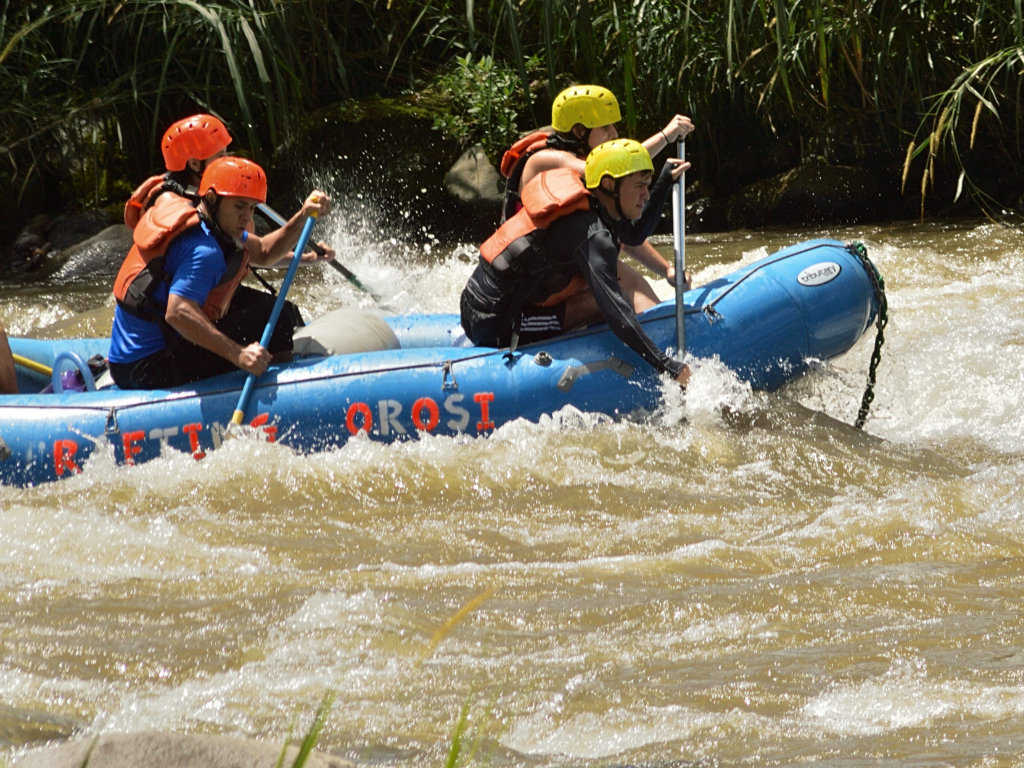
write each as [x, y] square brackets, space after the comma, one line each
[111, 418]
[83, 368]
[445, 372]
[621, 367]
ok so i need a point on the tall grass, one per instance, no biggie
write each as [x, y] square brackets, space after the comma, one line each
[99, 79]
[985, 98]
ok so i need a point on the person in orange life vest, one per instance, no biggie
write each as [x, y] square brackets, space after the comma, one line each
[554, 265]
[188, 146]
[181, 315]
[582, 117]
[8, 377]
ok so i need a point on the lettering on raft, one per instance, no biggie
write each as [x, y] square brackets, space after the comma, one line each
[425, 415]
[131, 449]
[63, 457]
[193, 430]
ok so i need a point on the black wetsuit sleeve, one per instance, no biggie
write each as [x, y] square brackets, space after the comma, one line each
[597, 258]
[635, 232]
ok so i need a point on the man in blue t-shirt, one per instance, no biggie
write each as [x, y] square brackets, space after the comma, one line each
[182, 315]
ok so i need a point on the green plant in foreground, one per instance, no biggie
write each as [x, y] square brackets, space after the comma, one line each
[312, 735]
[460, 730]
[88, 752]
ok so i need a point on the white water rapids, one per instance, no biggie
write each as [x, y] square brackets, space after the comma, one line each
[754, 584]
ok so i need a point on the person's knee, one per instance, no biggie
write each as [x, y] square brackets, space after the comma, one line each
[580, 310]
[636, 289]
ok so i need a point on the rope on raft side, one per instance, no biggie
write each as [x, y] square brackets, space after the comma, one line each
[881, 320]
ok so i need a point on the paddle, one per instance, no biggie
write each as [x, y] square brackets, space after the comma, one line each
[679, 235]
[276, 218]
[250, 381]
[32, 365]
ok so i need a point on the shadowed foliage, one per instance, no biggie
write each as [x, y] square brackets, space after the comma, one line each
[88, 85]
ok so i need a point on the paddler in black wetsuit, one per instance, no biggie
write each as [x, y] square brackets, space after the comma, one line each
[554, 265]
[583, 117]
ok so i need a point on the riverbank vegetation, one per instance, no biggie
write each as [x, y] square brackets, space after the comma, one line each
[89, 85]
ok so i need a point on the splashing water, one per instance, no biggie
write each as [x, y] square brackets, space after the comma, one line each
[739, 577]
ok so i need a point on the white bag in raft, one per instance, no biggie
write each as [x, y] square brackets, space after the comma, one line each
[344, 332]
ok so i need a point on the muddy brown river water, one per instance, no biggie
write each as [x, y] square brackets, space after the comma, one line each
[739, 580]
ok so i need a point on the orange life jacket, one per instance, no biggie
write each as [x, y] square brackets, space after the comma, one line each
[513, 163]
[546, 198]
[142, 198]
[143, 269]
[527, 145]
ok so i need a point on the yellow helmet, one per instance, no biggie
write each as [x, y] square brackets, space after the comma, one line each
[616, 158]
[591, 105]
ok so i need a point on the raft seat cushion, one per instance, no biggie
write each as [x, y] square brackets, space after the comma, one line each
[345, 332]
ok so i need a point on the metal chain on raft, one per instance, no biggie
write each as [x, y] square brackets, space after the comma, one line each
[882, 320]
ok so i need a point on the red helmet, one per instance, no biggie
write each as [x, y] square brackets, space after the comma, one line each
[199, 136]
[235, 177]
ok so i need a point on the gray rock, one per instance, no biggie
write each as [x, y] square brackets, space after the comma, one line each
[705, 215]
[473, 179]
[385, 166]
[67, 231]
[99, 256]
[809, 194]
[170, 750]
[87, 241]
[27, 254]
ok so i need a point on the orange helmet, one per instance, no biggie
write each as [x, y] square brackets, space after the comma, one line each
[199, 136]
[235, 177]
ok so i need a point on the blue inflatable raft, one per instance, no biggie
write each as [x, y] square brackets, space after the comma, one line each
[766, 321]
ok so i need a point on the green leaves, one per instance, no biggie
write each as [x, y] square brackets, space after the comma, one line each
[126, 68]
[484, 100]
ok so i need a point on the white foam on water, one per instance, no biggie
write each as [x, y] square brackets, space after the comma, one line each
[562, 513]
[951, 365]
[591, 735]
[420, 575]
[723, 629]
[329, 643]
[42, 546]
[53, 693]
[712, 389]
[905, 697]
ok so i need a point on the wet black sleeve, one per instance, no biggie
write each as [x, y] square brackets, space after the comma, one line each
[596, 256]
[635, 232]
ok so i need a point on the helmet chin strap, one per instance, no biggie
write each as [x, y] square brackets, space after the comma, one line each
[618, 201]
[615, 196]
[585, 141]
[210, 219]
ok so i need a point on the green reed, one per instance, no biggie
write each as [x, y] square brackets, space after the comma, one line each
[312, 736]
[984, 99]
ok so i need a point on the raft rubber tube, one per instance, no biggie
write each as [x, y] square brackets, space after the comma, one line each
[767, 321]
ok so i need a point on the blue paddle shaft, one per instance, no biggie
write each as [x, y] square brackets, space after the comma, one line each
[679, 235]
[275, 313]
